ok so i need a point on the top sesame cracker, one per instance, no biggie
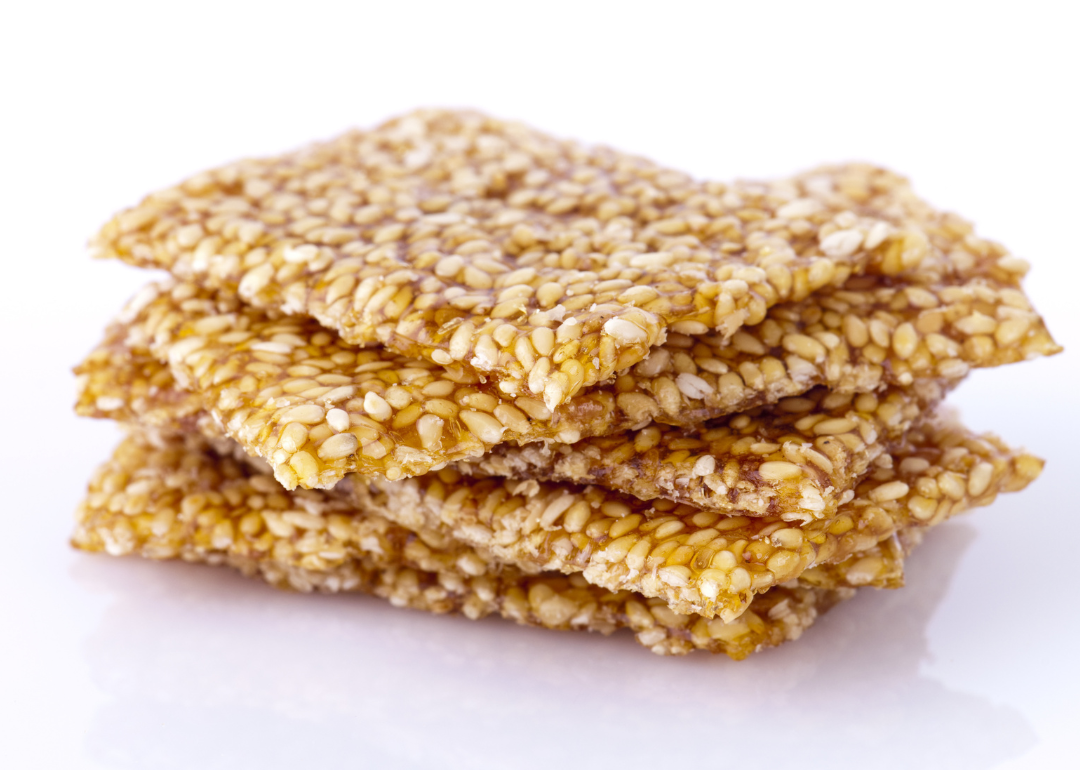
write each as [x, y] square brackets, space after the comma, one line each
[545, 265]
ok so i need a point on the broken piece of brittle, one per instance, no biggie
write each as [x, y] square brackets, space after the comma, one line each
[541, 264]
[880, 566]
[130, 385]
[795, 460]
[948, 473]
[681, 553]
[315, 408]
[695, 560]
[180, 499]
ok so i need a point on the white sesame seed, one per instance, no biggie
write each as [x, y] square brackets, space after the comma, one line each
[842, 243]
[692, 386]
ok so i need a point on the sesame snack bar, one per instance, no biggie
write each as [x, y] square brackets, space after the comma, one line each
[294, 394]
[794, 460]
[180, 499]
[468, 367]
[545, 266]
[701, 561]
[569, 528]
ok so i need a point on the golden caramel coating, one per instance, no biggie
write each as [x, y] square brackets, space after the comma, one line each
[543, 265]
[795, 460]
[878, 545]
[881, 566]
[567, 603]
[701, 561]
[180, 499]
[698, 560]
[129, 385]
[315, 408]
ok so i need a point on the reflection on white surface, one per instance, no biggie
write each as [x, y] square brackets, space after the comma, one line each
[205, 669]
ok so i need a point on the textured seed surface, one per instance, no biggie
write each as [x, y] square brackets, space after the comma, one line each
[252, 369]
[469, 367]
[181, 499]
[543, 264]
[626, 543]
[881, 566]
[770, 461]
[689, 557]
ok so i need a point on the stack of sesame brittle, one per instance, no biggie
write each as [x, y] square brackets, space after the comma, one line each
[465, 366]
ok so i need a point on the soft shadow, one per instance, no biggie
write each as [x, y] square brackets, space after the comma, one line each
[209, 670]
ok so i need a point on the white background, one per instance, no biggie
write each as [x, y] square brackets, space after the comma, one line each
[108, 663]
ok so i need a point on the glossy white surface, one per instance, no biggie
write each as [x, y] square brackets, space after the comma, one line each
[108, 663]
